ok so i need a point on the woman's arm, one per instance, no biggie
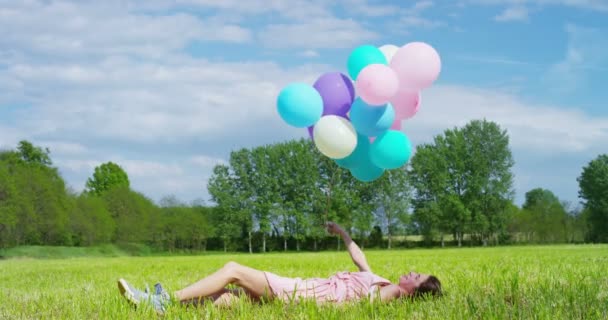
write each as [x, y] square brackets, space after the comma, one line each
[353, 249]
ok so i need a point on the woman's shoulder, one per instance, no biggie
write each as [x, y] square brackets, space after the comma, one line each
[371, 275]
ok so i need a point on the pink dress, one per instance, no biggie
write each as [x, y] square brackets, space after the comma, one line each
[341, 287]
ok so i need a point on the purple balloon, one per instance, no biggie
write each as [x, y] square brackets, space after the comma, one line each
[337, 92]
[310, 131]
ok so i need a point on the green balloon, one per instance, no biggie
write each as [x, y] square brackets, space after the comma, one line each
[363, 56]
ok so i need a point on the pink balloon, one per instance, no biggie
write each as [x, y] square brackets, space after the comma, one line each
[397, 124]
[376, 84]
[417, 65]
[406, 103]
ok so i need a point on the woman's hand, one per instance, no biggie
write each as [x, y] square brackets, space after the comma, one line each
[334, 228]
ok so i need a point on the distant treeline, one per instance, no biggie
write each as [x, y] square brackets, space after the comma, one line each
[457, 190]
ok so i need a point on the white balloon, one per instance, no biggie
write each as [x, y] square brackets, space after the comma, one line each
[335, 136]
[389, 51]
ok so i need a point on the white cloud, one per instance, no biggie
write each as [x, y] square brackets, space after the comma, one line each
[413, 17]
[9, 136]
[205, 161]
[74, 165]
[146, 102]
[105, 82]
[593, 5]
[532, 128]
[290, 9]
[415, 21]
[587, 51]
[363, 8]
[517, 13]
[154, 179]
[67, 29]
[317, 33]
[145, 168]
[310, 54]
[64, 147]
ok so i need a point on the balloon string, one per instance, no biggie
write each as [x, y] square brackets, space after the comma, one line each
[331, 182]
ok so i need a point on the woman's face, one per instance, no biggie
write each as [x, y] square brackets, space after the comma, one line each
[409, 282]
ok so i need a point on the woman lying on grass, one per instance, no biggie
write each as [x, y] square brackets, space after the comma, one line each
[258, 285]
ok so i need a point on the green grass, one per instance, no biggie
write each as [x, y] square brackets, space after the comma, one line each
[532, 282]
[48, 252]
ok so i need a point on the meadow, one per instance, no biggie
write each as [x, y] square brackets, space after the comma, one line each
[531, 282]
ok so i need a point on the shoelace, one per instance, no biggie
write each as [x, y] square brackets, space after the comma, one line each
[158, 288]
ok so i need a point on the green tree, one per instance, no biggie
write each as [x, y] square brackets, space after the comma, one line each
[547, 215]
[243, 190]
[393, 195]
[90, 221]
[8, 206]
[265, 191]
[133, 213]
[489, 188]
[106, 177]
[33, 154]
[226, 217]
[40, 197]
[593, 184]
[429, 177]
[463, 182]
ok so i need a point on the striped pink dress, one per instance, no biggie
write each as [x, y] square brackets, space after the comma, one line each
[341, 287]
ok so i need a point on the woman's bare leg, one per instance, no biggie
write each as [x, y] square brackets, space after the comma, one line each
[224, 298]
[252, 280]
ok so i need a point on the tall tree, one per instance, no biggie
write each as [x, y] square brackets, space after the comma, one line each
[429, 177]
[490, 180]
[9, 206]
[90, 221]
[265, 190]
[244, 190]
[221, 187]
[393, 195]
[33, 154]
[106, 177]
[593, 184]
[40, 199]
[134, 214]
[547, 215]
[463, 181]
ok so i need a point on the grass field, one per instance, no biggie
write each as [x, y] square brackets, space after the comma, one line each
[540, 282]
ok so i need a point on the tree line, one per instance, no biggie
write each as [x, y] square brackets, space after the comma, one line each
[456, 190]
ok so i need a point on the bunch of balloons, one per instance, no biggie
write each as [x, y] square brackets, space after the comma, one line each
[358, 122]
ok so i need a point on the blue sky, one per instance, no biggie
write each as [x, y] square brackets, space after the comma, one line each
[167, 88]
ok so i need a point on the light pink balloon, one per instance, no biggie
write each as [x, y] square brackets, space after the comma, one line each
[417, 65]
[397, 124]
[376, 84]
[406, 103]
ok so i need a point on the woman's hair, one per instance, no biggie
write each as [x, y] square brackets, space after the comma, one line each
[431, 286]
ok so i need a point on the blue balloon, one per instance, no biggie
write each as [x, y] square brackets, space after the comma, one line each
[367, 172]
[300, 105]
[391, 150]
[359, 156]
[371, 120]
[363, 56]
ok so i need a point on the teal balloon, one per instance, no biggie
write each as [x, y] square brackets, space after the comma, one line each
[370, 120]
[367, 172]
[300, 105]
[363, 56]
[391, 150]
[359, 156]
